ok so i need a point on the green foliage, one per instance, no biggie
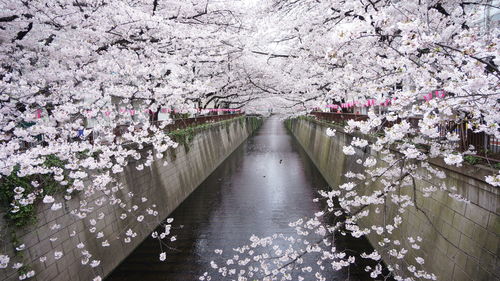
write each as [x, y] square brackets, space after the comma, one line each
[86, 153]
[53, 161]
[26, 215]
[186, 136]
[473, 160]
[497, 166]
[16, 243]
[183, 136]
[253, 122]
[180, 115]
[24, 269]
[288, 124]
[306, 117]
[422, 146]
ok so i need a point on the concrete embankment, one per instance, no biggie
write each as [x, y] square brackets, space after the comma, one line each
[460, 240]
[164, 186]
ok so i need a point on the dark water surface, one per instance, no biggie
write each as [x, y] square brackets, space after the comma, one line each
[250, 193]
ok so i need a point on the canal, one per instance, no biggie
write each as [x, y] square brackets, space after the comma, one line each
[263, 185]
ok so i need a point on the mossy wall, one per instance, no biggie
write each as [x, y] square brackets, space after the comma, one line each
[460, 240]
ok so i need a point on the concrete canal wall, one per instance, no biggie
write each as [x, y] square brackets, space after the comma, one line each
[460, 241]
[165, 186]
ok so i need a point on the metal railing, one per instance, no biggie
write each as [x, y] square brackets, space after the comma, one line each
[183, 122]
[483, 143]
[195, 121]
[340, 118]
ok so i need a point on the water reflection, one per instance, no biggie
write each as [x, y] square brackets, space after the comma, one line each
[266, 183]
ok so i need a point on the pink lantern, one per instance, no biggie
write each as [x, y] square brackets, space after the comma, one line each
[107, 113]
[132, 112]
[38, 113]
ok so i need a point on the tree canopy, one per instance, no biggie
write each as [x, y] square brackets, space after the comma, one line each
[68, 67]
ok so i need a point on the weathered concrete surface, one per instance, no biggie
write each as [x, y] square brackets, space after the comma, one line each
[461, 241]
[165, 186]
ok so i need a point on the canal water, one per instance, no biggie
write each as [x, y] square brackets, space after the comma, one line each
[265, 184]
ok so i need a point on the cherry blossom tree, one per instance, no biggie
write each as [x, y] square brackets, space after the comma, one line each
[105, 67]
[395, 51]
[112, 66]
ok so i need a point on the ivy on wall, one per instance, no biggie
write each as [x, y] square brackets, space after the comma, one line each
[18, 215]
[24, 215]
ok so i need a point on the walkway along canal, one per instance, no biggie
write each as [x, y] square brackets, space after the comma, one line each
[263, 185]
